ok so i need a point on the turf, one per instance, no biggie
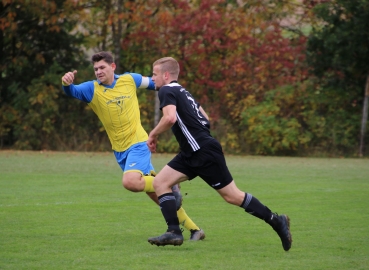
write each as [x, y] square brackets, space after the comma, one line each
[61, 210]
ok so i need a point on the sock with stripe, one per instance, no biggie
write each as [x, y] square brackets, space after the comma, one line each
[254, 207]
[168, 208]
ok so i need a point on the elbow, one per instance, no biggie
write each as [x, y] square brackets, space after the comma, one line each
[67, 90]
[171, 120]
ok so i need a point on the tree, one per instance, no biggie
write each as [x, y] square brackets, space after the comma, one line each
[337, 52]
[36, 40]
[227, 52]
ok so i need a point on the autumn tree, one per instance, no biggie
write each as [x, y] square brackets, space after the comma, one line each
[243, 60]
[37, 45]
[229, 53]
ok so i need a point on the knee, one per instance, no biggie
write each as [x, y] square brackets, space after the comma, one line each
[156, 184]
[159, 185]
[229, 199]
[235, 200]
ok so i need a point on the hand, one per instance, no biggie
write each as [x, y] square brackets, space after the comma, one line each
[151, 143]
[68, 78]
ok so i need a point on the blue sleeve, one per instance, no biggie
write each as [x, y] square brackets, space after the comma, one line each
[142, 81]
[83, 91]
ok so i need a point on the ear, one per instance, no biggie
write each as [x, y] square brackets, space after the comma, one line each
[113, 66]
[166, 75]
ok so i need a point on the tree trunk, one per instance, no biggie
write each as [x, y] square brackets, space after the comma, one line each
[157, 109]
[104, 30]
[117, 35]
[364, 119]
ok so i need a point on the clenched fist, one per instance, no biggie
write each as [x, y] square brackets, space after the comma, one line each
[68, 78]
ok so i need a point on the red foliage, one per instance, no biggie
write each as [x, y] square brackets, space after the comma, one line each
[225, 52]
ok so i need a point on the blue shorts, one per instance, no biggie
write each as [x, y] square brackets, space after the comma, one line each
[137, 158]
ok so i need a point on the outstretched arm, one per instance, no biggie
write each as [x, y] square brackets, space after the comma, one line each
[165, 123]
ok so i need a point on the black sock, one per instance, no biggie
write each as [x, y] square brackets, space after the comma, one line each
[168, 208]
[254, 207]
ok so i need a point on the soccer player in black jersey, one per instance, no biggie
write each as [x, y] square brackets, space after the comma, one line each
[200, 155]
[113, 98]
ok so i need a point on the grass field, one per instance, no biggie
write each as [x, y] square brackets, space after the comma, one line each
[69, 211]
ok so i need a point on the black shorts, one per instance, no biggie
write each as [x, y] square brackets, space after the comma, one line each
[208, 163]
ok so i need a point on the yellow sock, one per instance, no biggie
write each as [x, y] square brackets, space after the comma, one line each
[148, 183]
[185, 220]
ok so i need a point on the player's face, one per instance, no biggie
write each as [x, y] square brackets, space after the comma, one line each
[104, 72]
[157, 77]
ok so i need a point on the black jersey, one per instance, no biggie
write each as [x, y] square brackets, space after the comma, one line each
[192, 129]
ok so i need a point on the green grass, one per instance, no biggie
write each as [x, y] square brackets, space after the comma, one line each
[69, 211]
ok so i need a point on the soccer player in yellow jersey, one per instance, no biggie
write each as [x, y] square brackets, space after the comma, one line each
[114, 100]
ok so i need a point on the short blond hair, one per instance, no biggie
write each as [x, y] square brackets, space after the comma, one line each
[168, 64]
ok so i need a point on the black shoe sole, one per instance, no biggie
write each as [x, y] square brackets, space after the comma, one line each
[173, 243]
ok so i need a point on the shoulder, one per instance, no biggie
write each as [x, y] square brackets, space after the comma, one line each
[126, 78]
[174, 85]
[171, 87]
[130, 75]
[140, 81]
[126, 75]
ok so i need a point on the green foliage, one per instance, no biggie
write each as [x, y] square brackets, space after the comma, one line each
[337, 53]
[339, 120]
[274, 126]
[227, 135]
[338, 49]
[37, 48]
[40, 111]
[8, 118]
[297, 120]
[167, 143]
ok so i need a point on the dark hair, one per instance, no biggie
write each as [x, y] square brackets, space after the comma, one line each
[106, 56]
